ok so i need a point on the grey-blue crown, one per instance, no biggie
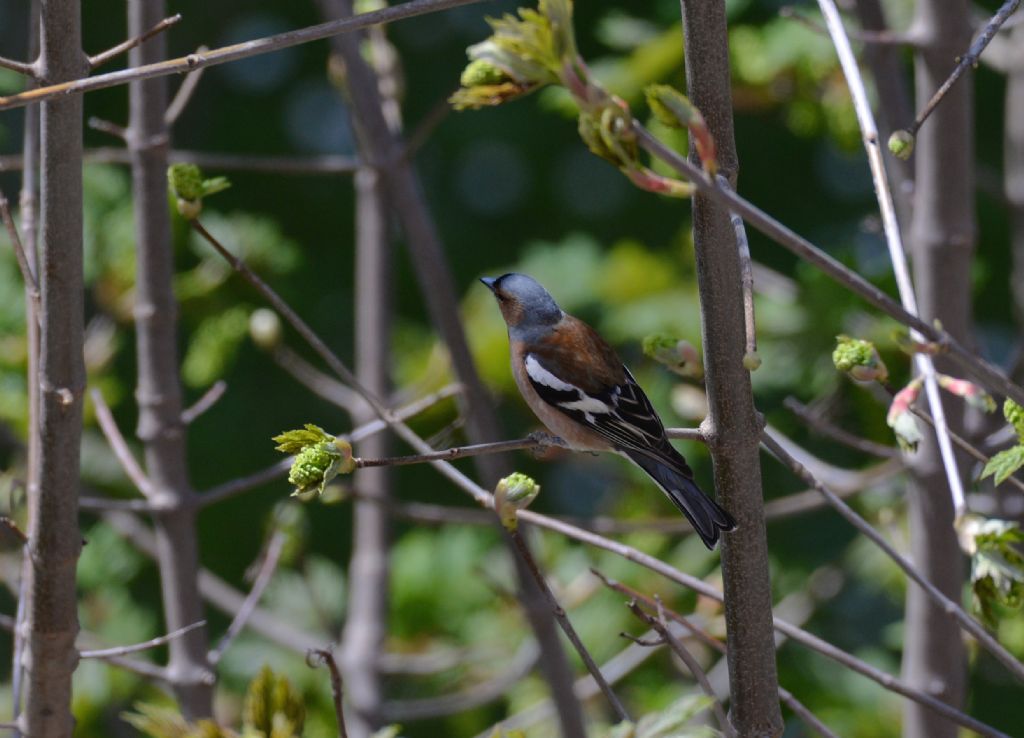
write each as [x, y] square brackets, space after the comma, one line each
[539, 306]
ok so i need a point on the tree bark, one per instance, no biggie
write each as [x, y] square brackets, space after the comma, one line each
[54, 538]
[942, 237]
[366, 622]
[159, 395]
[732, 428]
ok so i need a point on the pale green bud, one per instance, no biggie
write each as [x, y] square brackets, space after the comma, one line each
[513, 493]
[901, 144]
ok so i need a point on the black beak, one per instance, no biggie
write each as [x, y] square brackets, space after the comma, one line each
[489, 281]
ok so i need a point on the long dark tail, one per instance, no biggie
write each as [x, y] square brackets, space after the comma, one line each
[674, 476]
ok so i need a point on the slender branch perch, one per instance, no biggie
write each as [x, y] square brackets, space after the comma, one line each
[27, 274]
[190, 414]
[103, 57]
[104, 653]
[120, 448]
[231, 53]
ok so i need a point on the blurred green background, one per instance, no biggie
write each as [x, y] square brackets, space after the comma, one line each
[511, 188]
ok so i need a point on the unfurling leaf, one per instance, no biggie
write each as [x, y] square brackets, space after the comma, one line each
[997, 566]
[975, 396]
[514, 493]
[901, 419]
[1004, 464]
[189, 188]
[859, 359]
[1014, 415]
[319, 458]
[674, 109]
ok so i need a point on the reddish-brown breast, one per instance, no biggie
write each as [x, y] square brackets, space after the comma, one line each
[574, 351]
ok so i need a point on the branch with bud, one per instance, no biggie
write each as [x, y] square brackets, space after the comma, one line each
[538, 48]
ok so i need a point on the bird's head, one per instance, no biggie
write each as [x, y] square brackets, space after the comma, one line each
[524, 303]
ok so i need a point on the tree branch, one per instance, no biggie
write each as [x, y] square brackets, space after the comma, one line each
[119, 446]
[103, 57]
[184, 94]
[830, 430]
[231, 53]
[949, 607]
[105, 653]
[987, 374]
[190, 414]
[322, 656]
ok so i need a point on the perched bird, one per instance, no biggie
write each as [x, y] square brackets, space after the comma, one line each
[576, 384]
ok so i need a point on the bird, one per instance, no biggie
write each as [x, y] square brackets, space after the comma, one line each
[577, 386]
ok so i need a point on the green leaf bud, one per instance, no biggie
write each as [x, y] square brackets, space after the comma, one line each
[482, 72]
[901, 144]
[186, 181]
[1014, 415]
[513, 493]
[859, 359]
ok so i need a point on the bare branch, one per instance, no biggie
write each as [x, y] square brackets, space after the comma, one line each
[105, 653]
[481, 693]
[185, 91]
[324, 165]
[120, 447]
[563, 620]
[830, 430]
[204, 403]
[321, 656]
[104, 56]
[535, 441]
[990, 376]
[259, 585]
[967, 61]
[891, 38]
[231, 53]
[949, 607]
[106, 126]
[317, 382]
[659, 625]
[27, 275]
[747, 281]
[28, 70]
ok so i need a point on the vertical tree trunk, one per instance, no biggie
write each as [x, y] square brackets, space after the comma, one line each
[54, 538]
[159, 389]
[942, 240]
[732, 427]
[366, 621]
[1013, 166]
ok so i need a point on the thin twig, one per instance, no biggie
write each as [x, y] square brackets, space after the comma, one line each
[316, 381]
[109, 127]
[323, 657]
[563, 621]
[28, 70]
[864, 35]
[259, 585]
[184, 94]
[987, 374]
[967, 61]
[204, 403]
[949, 607]
[104, 56]
[31, 283]
[894, 240]
[659, 625]
[747, 276]
[324, 165]
[474, 696]
[830, 430]
[233, 52]
[120, 447]
[535, 441]
[105, 653]
[235, 487]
